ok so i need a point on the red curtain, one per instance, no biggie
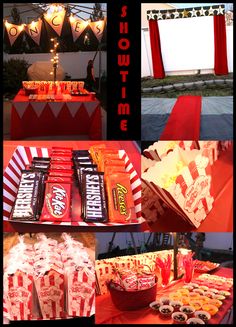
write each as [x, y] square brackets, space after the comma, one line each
[221, 64]
[158, 69]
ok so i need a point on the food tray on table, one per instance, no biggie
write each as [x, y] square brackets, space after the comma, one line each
[205, 266]
[24, 155]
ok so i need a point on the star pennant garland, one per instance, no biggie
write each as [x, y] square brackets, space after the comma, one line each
[185, 13]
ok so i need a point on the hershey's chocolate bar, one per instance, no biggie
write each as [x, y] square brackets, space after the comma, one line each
[94, 206]
[79, 171]
[29, 196]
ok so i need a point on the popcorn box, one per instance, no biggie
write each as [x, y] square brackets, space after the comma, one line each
[104, 273]
[212, 148]
[80, 292]
[160, 149]
[187, 189]
[152, 206]
[50, 290]
[18, 296]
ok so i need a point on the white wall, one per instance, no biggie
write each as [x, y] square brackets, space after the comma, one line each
[187, 45]
[74, 63]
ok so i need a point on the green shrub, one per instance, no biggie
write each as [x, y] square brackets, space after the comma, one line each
[14, 72]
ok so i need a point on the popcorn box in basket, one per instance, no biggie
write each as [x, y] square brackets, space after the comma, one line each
[80, 292]
[50, 290]
[18, 296]
[158, 150]
[224, 145]
[187, 190]
[24, 155]
[104, 273]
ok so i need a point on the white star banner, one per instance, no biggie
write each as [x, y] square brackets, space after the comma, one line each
[34, 30]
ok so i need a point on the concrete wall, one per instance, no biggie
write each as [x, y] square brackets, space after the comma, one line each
[74, 63]
[187, 45]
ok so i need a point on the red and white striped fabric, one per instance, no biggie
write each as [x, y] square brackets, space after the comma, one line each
[18, 299]
[50, 290]
[190, 195]
[23, 156]
[80, 293]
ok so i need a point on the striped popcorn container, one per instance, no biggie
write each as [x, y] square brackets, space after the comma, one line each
[212, 148]
[183, 181]
[158, 150]
[224, 145]
[152, 205]
[104, 273]
[80, 293]
[50, 290]
[18, 297]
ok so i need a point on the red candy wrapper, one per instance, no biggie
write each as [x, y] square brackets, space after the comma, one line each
[145, 281]
[57, 202]
[50, 290]
[60, 165]
[129, 280]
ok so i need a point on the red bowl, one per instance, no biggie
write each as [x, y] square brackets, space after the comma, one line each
[33, 90]
[132, 300]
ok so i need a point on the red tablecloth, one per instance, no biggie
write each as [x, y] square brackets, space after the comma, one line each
[184, 120]
[79, 116]
[129, 146]
[220, 218]
[106, 312]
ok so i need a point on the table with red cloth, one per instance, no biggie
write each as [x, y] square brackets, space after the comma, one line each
[220, 218]
[81, 115]
[129, 146]
[107, 313]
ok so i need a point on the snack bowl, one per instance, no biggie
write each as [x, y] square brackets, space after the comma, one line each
[203, 315]
[197, 304]
[211, 295]
[204, 287]
[174, 296]
[224, 293]
[195, 321]
[204, 299]
[215, 302]
[199, 291]
[210, 308]
[185, 300]
[179, 317]
[176, 305]
[188, 310]
[183, 291]
[213, 290]
[166, 310]
[194, 285]
[155, 305]
[188, 287]
[165, 300]
[220, 297]
[194, 295]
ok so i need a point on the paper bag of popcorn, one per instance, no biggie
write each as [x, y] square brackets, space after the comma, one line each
[183, 181]
[158, 150]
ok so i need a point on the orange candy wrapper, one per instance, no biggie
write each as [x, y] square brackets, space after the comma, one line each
[120, 199]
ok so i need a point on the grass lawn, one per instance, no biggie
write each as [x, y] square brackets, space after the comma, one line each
[216, 91]
[151, 82]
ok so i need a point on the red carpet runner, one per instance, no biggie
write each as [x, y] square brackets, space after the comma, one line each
[184, 120]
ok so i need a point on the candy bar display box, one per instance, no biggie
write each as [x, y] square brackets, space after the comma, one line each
[46, 186]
